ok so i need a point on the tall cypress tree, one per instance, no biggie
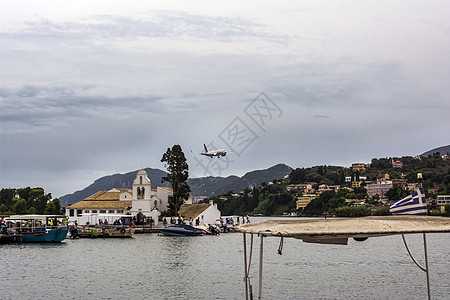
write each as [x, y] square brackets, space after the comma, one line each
[177, 168]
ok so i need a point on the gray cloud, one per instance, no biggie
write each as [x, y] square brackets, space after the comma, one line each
[321, 116]
[41, 106]
[153, 24]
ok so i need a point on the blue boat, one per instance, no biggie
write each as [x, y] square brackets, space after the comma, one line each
[35, 228]
[181, 230]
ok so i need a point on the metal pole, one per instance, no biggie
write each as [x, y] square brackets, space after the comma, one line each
[426, 265]
[425, 269]
[260, 267]
[245, 267]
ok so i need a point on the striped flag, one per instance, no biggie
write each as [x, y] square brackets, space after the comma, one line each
[413, 204]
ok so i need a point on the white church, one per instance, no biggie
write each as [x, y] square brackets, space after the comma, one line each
[115, 203]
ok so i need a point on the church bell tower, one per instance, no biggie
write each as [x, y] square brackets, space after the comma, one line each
[141, 186]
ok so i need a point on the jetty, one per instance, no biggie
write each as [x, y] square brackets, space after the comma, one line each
[8, 238]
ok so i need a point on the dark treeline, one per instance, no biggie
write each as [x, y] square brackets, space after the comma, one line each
[28, 201]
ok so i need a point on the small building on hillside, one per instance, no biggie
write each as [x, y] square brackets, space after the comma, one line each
[397, 163]
[202, 213]
[358, 167]
[356, 184]
[309, 188]
[304, 200]
[400, 182]
[296, 187]
[441, 201]
[380, 188]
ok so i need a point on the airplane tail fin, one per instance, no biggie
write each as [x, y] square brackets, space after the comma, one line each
[206, 149]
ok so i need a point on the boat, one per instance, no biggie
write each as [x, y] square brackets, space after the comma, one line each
[103, 231]
[35, 229]
[181, 230]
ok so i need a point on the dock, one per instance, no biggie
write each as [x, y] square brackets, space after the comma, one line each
[10, 238]
[146, 229]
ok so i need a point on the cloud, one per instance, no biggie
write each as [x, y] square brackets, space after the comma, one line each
[174, 25]
[320, 116]
[32, 106]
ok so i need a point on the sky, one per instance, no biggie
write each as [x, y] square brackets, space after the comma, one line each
[94, 88]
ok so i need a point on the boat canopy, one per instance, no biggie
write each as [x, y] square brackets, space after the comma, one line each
[33, 217]
[348, 227]
[338, 231]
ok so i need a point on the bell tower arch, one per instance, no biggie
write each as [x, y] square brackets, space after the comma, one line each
[141, 186]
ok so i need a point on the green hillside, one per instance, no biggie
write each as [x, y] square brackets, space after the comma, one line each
[278, 197]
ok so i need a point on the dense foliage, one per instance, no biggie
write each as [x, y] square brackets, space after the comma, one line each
[28, 201]
[435, 170]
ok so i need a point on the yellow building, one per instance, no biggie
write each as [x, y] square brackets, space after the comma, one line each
[358, 167]
[303, 201]
[356, 184]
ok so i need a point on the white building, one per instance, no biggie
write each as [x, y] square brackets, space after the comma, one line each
[205, 213]
[380, 188]
[113, 204]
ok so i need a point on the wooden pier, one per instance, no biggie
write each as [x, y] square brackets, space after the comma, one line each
[11, 238]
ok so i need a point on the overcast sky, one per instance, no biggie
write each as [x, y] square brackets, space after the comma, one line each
[93, 88]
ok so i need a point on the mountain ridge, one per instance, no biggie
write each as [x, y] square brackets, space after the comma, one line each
[442, 150]
[202, 186]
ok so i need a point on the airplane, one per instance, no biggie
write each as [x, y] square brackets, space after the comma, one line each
[212, 153]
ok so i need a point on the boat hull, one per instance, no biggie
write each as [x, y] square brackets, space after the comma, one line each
[105, 232]
[49, 236]
[181, 230]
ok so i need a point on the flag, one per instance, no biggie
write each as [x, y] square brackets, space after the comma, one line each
[413, 204]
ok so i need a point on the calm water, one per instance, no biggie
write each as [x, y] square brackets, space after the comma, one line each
[150, 266]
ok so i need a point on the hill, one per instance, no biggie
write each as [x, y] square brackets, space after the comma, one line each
[442, 150]
[255, 178]
[203, 186]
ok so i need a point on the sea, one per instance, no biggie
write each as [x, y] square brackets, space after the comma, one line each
[151, 266]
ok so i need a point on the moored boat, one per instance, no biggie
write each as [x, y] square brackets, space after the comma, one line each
[104, 231]
[181, 230]
[35, 229]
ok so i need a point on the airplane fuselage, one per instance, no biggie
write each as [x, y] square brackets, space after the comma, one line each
[213, 153]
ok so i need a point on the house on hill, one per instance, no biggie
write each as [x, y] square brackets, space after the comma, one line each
[358, 166]
[200, 214]
[116, 202]
[397, 163]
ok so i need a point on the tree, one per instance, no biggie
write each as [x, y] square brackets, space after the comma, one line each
[447, 210]
[396, 193]
[3, 208]
[297, 176]
[383, 211]
[19, 206]
[177, 168]
[50, 209]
